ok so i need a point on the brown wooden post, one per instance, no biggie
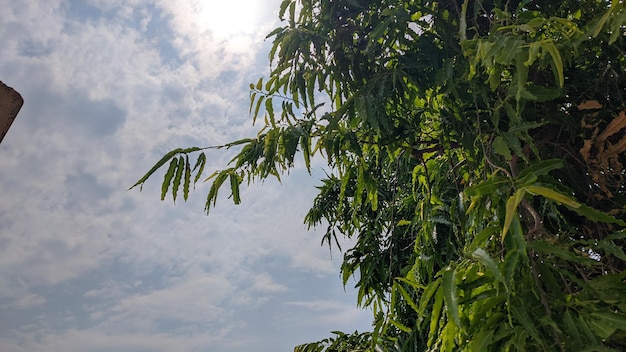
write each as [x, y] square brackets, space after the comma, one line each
[10, 104]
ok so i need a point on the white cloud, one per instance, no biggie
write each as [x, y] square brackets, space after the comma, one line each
[190, 299]
[29, 300]
[263, 282]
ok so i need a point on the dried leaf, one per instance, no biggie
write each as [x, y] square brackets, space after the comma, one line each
[614, 126]
[589, 105]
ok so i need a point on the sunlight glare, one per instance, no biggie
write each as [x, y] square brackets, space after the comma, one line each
[228, 18]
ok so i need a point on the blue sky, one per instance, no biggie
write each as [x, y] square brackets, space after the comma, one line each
[109, 86]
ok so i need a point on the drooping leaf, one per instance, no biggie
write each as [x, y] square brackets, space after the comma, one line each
[187, 178]
[435, 315]
[448, 285]
[167, 179]
[200, 162]
[178, 177]
[511, 209]
[169, 155]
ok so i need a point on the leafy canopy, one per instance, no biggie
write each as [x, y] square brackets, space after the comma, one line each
[475, 150]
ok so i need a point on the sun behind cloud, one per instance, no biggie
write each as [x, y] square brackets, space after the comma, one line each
[228, 18]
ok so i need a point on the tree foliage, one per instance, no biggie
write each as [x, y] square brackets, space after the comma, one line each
[475, 151]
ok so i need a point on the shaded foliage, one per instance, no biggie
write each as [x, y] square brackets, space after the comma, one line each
[475, 152]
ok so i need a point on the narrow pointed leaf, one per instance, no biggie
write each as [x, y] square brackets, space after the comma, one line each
[156, 166]
[178, 177]
[541, 168]
[187, 179]
[511, 210]
[486, 187]
[167, 179]
[200, 165]
[407, 297]
[553, 195]
[234, 187]
[449, 294]
[485, 259]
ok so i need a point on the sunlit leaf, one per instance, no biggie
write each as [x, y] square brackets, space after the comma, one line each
[553, 195]
[511, 210]
[558, 62]
[485, 259]
[450, 296]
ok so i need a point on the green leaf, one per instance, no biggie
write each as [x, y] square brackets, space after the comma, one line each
[463, 21]
[482, 340]
[485, 259]
[449, 294]
[510, 266]
[200, 162]
[605, 323]
[488, 186]
[434, 317]
[600, 24]
[610, 248]
[167, 179]
[558, 62]
[235, 181]
[571, 328]
[283, 8]
[502, 148]
[428, 293]
[187, 179]
[160, 163]
[252, 99]
[542, 246]
[549, 280]
[257, 107]
[520, 313]
[596, 215]
[220, 177]
[403, 223]
[269, 109]
[305, 144]
[178, 177]
[518, 340]
[400, 326]
[542, 168]
[527, 179]
[482, 236]
[511, 210]
[553, 195]
[542, 94]
[407, 297]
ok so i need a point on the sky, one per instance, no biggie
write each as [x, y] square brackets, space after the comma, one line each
[109, 86]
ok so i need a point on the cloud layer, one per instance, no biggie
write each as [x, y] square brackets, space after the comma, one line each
[109, 86]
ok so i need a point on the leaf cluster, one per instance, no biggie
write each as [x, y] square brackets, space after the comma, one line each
[475, 152]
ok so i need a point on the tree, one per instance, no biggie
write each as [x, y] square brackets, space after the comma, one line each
[476, 153]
